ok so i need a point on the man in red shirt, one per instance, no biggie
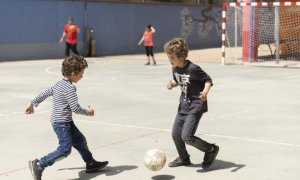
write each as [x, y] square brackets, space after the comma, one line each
[70, 32]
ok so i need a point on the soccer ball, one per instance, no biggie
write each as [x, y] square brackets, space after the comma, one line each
[72, 28]
[155, 159]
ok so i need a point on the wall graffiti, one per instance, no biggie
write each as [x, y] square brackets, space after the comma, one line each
[210, 18]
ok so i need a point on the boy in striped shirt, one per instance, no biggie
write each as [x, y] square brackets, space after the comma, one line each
[65, 101]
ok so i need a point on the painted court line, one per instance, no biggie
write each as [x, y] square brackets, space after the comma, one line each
[213, 135]
[231, 114]
[253, 140]
[292, 77]
[48, 69]
[21, 114]
[123, 125]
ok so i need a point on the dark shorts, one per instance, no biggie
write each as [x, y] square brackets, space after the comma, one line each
[149, 50]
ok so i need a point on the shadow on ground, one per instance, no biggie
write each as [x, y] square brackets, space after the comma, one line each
[219, 165]
[163, 177]
[107, 171]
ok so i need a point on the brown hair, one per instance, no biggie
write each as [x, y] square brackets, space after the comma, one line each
[73, 64]
[177, 46]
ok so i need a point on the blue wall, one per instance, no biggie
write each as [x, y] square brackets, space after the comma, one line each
[31, 29]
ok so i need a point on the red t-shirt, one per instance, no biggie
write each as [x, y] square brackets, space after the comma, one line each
[71, 33]
[148, 38]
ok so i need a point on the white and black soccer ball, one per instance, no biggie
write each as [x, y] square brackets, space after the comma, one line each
[155, 159]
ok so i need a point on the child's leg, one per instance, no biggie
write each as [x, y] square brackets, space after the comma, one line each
[188, 131]
[147, 54]
[151, 54]
[63, 132]
[176, 135]
[80, 144]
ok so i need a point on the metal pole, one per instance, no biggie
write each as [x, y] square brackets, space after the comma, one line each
[85, 28]
[235, 34]
[277, 35]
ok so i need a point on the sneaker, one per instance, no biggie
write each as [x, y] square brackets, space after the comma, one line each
[95, 166]
[210, 156]
[36, 170]
[178, 162]
[154, 63]
[148, 63]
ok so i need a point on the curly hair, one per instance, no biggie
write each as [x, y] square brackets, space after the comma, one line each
[73, 64]
[177, 46]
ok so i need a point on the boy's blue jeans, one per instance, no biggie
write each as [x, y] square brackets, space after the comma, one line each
[68, 135]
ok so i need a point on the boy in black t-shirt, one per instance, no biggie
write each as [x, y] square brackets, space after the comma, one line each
[195, 85]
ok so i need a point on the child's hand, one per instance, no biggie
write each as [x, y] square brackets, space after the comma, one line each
[203, 96]
[91, 111]
[171, 84]
[29, 109]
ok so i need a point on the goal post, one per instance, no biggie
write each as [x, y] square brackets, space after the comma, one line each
[261, 33]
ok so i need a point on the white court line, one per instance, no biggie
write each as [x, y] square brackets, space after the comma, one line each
[292, 77]
[17, 114]
[51, 67]
[212, 135]
[252, 140]
[123, 125]
[231, 114]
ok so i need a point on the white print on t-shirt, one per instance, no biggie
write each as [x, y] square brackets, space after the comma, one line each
[183, 80]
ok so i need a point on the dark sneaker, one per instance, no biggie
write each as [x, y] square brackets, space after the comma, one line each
[154, 63]
[178, 162]
[96, 166]
[210, 156]
[36, 170]
[148, 63]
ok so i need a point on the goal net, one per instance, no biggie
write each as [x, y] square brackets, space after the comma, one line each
[261, 33]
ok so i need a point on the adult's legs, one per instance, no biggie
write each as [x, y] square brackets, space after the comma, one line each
[74, 49]
[68, 47]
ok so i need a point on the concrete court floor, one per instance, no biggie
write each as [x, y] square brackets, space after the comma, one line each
[253, 116]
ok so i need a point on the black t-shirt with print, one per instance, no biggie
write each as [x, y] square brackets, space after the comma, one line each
[191, 79]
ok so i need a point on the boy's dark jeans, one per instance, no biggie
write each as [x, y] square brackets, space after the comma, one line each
[184, 128]
[68, 135]
[72, 47]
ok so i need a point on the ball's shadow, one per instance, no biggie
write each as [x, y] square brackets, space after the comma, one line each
[163, 177]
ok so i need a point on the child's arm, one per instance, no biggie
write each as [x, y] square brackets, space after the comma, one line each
[153, 30]
[72, 99]
[142, 39]
[172, 83]
[205, 78]
[36, 101]
[204, 93]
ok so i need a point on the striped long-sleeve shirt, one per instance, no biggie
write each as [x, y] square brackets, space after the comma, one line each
[65, 101]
